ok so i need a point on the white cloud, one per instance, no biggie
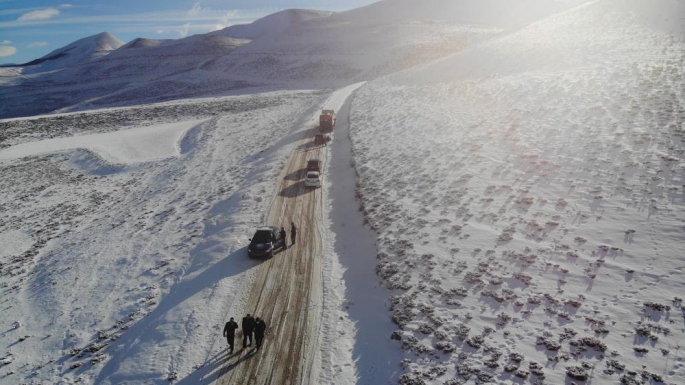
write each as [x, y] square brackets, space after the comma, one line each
[195, 10]
[66, 5]
[6, 42]
[226, 20]
[159, 31]
[7, 50]
[228, 16]
[185, 28]
[43, 14]
[37, 44]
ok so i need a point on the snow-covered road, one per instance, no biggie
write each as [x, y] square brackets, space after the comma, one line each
[287, 290]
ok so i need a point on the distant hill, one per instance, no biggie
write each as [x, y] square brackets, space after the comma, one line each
[81, 51]
[493, 13]
[291, 49]
[272, 24]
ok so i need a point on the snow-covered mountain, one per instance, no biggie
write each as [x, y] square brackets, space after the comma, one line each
[79, 52]
[493, 13]
[289, 49]
[272, 24]
[136, 70]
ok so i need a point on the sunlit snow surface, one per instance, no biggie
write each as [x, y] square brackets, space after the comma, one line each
[135, 261]
[130, 146]
[527, 173]
[509, 183]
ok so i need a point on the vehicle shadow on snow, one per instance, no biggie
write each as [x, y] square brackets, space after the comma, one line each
[291, 138]
[295, 190]
[295, 175]
[297, 136]
[308, 146]
[146, 332]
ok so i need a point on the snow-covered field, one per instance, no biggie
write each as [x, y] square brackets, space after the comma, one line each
[528, 195]
[134, 265]
[135, 145]
[512, 212]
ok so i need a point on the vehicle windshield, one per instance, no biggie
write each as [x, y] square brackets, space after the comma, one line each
[262, 236]
[313, 175]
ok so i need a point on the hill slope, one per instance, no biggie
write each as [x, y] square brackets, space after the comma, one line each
[290, 49]
[78, 52]
[527, 195]
[272, 24]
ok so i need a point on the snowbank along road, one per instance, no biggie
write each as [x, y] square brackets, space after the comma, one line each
[287, 289]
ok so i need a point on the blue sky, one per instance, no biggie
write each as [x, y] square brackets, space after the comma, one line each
[30, 29]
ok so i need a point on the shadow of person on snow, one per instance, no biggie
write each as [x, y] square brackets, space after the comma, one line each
[209, 370]
[132, 342]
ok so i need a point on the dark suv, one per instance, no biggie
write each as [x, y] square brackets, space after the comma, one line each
[264, 242]
[314, 165]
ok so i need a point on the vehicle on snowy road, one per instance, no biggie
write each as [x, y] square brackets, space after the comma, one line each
[265, 242]
[321, 139]
[314, 165]
[327, 121]
[313, 179]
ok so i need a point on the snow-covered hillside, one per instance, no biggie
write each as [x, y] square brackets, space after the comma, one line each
[79, 52]
[101, 252]
[273, 24]
[292, 49]
[140, 71]
[528, 199]
[504, 203]
[494, 13]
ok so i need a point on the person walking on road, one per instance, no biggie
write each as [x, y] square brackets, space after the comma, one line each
[293, 233]
[248, 328]
[229, 332]
[283, 237]
[259, 330]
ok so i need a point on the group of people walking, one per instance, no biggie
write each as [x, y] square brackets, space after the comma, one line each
[293, 234]
[250, 325]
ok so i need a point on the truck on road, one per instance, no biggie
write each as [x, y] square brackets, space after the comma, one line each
[327, 121]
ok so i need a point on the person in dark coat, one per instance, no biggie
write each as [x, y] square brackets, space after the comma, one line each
[229, 332]
[259, 330]
[248, 328]
[293, 232]
[283, 236]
